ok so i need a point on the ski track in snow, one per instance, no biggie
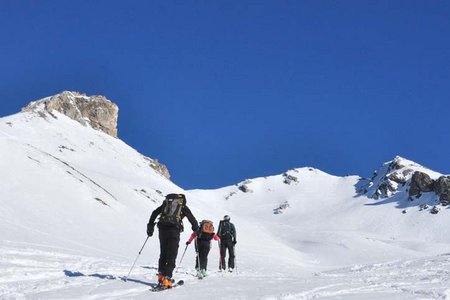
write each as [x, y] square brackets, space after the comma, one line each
[425, 278]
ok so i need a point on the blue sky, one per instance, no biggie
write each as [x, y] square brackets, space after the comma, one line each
[221, 91]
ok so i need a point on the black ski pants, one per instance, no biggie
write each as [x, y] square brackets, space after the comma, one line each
[202, 248]
[169, 239]
[224, 246]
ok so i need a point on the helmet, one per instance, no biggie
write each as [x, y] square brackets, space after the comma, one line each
[226, 218]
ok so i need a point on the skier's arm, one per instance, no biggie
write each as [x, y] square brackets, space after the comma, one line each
[216, 237]
[193, 235]
[219, 230]
[234, 232]
[151, 222]
[187, 212]
[155, 214]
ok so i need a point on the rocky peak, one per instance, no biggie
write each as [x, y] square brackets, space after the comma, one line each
[394, 176]
[404, 176]
[94, 111]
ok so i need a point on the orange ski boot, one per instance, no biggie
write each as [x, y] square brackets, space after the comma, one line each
[160, 278]
[167, 282]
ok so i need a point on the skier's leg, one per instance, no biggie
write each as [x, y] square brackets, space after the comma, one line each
[223, 253]
[231, 253]
[196, 257]
[207, 249]
[163, 251]
[172, 250]
[203, 252]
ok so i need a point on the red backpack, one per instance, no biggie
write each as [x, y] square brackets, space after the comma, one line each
[206, 230]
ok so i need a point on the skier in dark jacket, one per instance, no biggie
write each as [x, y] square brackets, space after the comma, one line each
[170, 224]
[227, 235]
[203, 239]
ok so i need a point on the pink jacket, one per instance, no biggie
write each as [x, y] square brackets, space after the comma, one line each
[194, 235]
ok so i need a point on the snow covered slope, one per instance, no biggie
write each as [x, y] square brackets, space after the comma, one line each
[318, 214]
[75, 202]
[72, 186]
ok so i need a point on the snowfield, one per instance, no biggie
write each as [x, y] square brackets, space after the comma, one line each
[75, 203]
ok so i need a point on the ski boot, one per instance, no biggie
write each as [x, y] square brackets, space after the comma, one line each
[167, 282]
[203, 272]
[160, 278]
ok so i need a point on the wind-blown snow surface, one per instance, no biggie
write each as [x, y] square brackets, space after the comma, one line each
[75, 202]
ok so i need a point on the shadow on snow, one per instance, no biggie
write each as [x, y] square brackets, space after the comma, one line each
[69, 273]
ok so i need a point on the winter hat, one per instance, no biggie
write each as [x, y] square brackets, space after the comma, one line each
[226, 218]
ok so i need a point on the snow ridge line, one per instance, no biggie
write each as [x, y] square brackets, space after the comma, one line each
[74, 169]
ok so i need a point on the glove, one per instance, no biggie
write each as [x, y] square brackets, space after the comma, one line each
[150, 229]
[195, 228]
[187, 243]
[234, 242]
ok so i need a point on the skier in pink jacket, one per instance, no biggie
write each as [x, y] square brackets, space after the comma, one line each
[203, 237]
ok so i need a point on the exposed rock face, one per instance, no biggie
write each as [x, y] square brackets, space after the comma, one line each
[244, 186]
[420, 182]
[403, 176]
[288, 179]
[280, 209]
[387, 180]
[159, 167]
[442, 188]
[95, 111]
[442, 185]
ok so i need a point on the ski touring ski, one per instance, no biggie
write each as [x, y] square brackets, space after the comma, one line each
[160, 288]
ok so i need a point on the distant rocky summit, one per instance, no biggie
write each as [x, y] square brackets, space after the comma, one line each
[408, 177]
[95, 111]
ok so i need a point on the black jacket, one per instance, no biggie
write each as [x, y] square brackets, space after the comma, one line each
[226, 231]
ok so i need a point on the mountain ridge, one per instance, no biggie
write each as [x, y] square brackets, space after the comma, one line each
[387, 180]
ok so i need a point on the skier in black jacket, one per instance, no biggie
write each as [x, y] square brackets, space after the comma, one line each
[170, 224]
[227, 234]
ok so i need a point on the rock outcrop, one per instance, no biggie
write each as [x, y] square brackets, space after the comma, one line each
[442, 188]
[404, 176]
[158, 167]
[244, 186]
[388, 179]
[288, 179]
[95, 111]
[420, 182]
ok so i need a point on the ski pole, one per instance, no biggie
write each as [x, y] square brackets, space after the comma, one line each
[235, 260]
[179, 264]
[137, 258]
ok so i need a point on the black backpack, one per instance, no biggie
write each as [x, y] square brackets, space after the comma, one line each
[225, 230]
[171, 214]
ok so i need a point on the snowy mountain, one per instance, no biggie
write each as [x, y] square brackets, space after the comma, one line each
[75, 201]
